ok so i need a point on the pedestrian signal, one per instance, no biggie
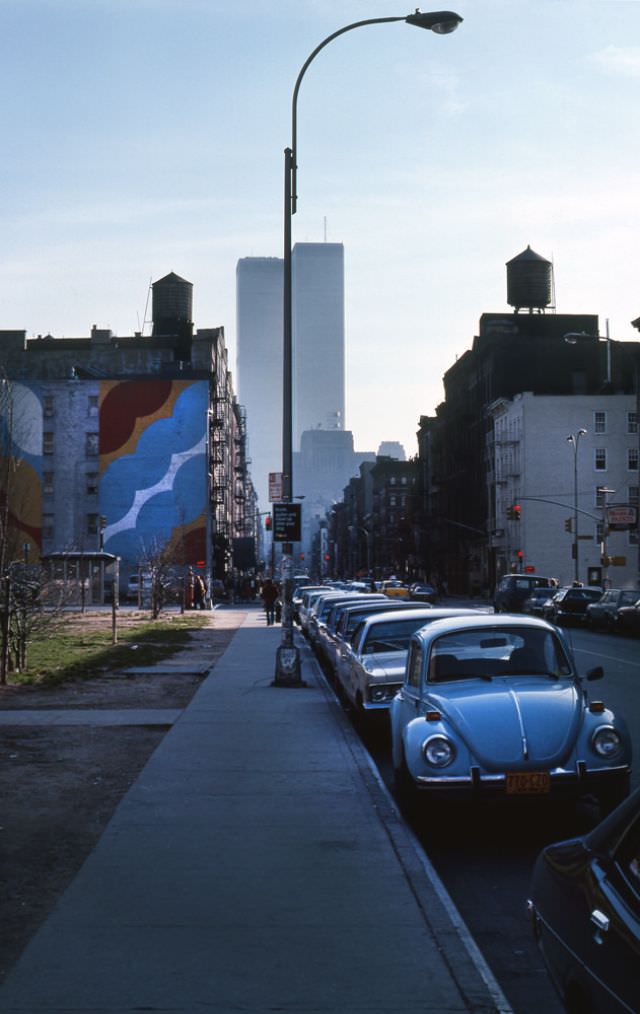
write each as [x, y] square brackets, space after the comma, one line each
[568, 524]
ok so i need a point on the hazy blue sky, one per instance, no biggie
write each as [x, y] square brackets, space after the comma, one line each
[146, 136]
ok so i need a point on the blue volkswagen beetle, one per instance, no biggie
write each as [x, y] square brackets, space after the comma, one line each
[495, 706]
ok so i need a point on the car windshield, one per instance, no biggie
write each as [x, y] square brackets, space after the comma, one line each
[501, 651]
[391, 635]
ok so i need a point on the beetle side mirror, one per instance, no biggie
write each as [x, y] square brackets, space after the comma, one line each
[595, 674]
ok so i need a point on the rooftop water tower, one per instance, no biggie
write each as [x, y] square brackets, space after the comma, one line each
[529, 282]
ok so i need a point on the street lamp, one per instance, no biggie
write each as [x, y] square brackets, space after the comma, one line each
[574, 440]
[442, 23]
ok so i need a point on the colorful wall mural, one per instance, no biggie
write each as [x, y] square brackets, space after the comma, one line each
[153, 468]
[21, 417]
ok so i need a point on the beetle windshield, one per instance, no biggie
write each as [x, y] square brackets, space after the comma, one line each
[500, 651]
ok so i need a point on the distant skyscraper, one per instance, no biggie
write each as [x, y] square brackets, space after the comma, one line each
[318, 350]
[318, 338]
[259, 299]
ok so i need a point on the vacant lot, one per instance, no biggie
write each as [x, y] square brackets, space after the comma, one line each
[59, 784]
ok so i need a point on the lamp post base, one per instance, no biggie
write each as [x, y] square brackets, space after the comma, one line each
[288, 668]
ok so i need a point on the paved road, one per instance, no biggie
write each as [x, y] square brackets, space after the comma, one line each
[485, 854]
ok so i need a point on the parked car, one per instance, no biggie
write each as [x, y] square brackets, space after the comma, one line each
[603, 614]
[534, 605]
[423, 593]
[585, 907]
[350, 618]
[495, 706]
[513, 589]
[371, 673]
[395, 589]
[322, 626]
[570, 604]
[139, 587]
[628, 619]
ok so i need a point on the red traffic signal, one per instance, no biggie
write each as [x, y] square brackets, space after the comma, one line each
[268, 522]
[327, 557]
[519, 554]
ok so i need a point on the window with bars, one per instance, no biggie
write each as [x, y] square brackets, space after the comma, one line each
[92, 524]
[599, 422]
[92, 483]
[91, 445]
[47, 483]
[632, 422]
[632, 459]
[47, 526]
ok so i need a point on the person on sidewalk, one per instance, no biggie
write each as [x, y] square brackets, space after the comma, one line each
[269, 594]
[199, 591]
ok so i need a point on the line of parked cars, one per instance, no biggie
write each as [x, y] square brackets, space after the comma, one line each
[616, 610]
[482, 705]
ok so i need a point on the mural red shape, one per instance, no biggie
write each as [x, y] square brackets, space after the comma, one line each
[124, 404]
[193, 546]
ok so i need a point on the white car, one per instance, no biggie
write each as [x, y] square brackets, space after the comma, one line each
[373, 671]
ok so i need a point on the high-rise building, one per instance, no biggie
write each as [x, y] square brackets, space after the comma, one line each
[318, 338]
[259, 298]
[318, 349]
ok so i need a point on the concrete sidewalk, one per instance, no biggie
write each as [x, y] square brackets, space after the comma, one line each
[255, 865]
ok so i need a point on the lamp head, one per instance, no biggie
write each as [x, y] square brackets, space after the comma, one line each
[440, 22]
[582, 433]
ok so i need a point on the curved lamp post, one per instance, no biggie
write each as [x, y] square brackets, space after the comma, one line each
[442, 23]
[574, 440]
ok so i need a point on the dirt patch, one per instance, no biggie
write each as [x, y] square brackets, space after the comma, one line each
[60, 785]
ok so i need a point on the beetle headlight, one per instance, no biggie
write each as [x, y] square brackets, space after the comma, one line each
[606, 741]
[439, 751]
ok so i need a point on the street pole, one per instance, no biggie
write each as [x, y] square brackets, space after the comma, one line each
[287, 672]
[574, 439]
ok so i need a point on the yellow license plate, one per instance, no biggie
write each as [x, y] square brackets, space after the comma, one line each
[521, 783]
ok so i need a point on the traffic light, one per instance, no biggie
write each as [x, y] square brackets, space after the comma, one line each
[520, 554]
[267, 523]
[513, 512]
[568, 524]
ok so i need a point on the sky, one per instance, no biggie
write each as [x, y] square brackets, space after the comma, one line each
[147, 136]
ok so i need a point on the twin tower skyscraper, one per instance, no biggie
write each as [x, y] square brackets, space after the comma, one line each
[318, 350]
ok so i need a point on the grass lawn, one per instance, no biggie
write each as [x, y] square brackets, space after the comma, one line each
[80, 646]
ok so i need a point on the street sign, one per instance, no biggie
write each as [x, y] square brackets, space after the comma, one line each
[287, 522]
[622, 516]
[275, 486]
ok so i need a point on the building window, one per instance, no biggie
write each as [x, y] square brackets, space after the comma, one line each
[92, 445]
[392, 480]
[632, 422]
[632, 459]
[92, 405]
[92, 524]
[633, 495]
[600, 501]
[92, 483]
[393, 500]
[47, 526]
[47, 405]
[599, 422]
[47, 443]
[403, 480]
[47, 483]
[600, 462]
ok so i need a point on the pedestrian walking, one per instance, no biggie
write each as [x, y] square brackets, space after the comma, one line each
[269, 595]
[199, 592]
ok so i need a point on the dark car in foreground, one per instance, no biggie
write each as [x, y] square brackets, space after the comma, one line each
[585, 906]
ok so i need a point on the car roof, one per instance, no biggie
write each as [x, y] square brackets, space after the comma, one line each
[483, 621]
[419, 611]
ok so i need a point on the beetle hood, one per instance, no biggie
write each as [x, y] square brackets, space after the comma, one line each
[514, 723]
